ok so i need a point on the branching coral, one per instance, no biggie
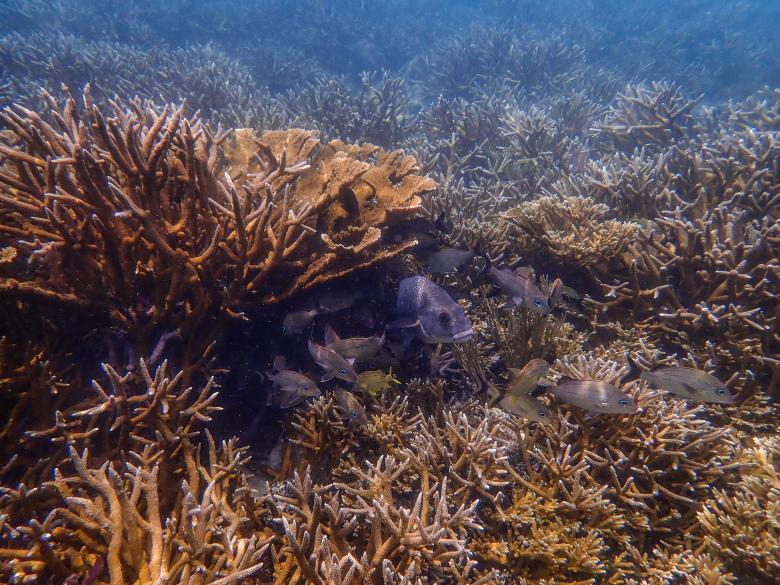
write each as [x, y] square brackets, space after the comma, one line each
[570, 230]
[404, 506]
[740, 523]
[153, 510]
[657, 114]
[131, 215]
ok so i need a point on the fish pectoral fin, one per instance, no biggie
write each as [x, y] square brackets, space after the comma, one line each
[690, 389]
[538, 391]
[403, 323]
[326, 377]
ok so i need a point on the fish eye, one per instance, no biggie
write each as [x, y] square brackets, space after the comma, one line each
[343, 371]
[354, 414]
[445, 317]
[542, 414]
[305, 386]
[538, 302]
[623, 402]
[721, 391]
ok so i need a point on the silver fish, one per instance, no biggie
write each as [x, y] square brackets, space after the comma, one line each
[447, 260]
[526, 406]
[355, 348]
[336, 300]
[293, 387]
[525, 380]
[520, 288]
[295, 322]
[353, 410]
[334, 365]
[594, 396]
[688, 383]
[427, 309]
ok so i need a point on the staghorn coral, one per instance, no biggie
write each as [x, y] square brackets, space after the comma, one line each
[401, 509]
[569, 230]
[657, 114]
[739, 524]
[132, 489]
[132, 217]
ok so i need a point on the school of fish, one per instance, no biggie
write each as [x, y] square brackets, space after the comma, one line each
[425, 312]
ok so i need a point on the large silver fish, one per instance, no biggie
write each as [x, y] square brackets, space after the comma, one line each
[520, 288]
[355, 348]
[593, 395]
[334, 365]
[430, 312]
[524, 381]
[353, 410]
[688, 383]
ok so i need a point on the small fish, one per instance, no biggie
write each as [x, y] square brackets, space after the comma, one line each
[525, 381]
[688, 383]
[520, 288]
[374, 382]
[293, 387]
[353, 410]
[427, 309]
[447, 260]
[354, 348]
[558, 290]
[526, 406]
[336, 300]
[295, 322]
[593, 396]
[334, 365]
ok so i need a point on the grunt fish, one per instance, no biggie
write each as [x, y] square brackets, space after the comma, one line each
[688, 383]
[374, 382]
[447, 260]
[334, 365]
[520, 288]
[526, 406]
[336, 300]
[355, 348]
[353, 410]
[525, 381]
[320, 304]
[293, 387]
[593, 396]
[427, 309]
[295, 322]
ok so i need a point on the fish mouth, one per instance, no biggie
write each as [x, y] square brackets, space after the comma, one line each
[462, 336]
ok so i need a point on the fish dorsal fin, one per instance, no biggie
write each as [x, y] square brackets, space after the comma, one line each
[524, 272]
[331, 336]
[564, 379]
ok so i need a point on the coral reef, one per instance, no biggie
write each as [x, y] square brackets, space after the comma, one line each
[300, 159]
[132, 216]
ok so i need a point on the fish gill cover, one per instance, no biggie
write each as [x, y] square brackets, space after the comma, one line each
[212, 372]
